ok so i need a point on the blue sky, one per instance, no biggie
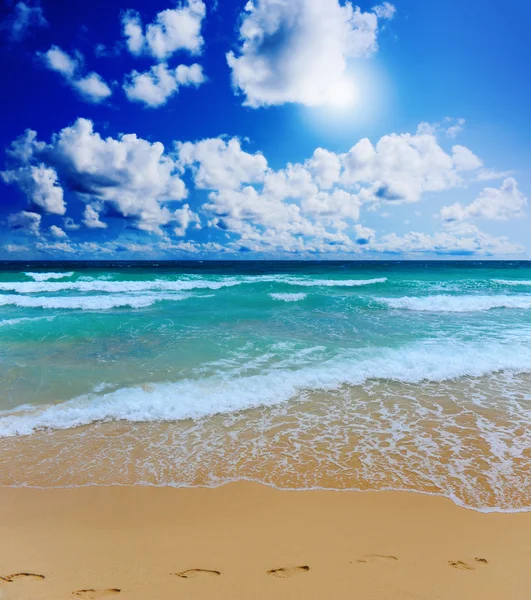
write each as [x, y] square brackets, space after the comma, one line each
[266, 129]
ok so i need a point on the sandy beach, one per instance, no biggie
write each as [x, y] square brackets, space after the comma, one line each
[245, 540]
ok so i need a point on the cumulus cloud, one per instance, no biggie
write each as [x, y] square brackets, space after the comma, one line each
[69, 223]
[325, 167]
[313, 206]
[23, 19]
[91, 87]
[320, 198]
[173, 29]
[55, 247]
[156, 86]
[464, 159]
[221, 164]
[183, 217]
[460, 243]
[497, 204]
[57, 232]
[91, 218]
[40, 185]
[297, 50]
[134, 177]
[400, 168]
[27, 222]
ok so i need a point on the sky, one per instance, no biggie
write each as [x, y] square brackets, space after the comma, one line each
[275, 129]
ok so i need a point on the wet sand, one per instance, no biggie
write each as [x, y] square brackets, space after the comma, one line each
[244, 540]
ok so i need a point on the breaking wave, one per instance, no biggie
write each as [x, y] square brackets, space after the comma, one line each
[47, 276]
[458, 304]
[289, 297]
[87, 302]
[224, 393]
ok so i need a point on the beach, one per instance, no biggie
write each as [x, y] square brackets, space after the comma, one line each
[248, 431]
[245, 540]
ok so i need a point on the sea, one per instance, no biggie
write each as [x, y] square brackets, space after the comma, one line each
[301, 375]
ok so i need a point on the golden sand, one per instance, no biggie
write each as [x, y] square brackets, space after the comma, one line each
[246, 541]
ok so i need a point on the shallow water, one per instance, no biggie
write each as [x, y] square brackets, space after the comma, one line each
[336, 375]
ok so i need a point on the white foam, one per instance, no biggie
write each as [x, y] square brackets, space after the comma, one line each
[87, 302]
[22, 320]
[223, 393]
[331, 282]
[447, 303]
[103, 285]
[47, 276]
[288, 297]
[113, 287]
[512, 281]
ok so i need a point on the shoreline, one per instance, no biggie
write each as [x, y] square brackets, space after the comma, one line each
[455, 501]
[91, 541]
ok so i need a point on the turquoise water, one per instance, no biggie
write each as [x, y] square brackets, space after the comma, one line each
[357, 357]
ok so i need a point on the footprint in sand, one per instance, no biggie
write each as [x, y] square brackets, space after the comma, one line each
[23, 576]
[194, 573]
[372, 558]
[285, 572]
[461, 565]
[95, 594]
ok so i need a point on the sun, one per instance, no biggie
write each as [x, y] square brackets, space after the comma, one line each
[342, 94]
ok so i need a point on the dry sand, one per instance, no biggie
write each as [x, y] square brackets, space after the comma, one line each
[159, 543]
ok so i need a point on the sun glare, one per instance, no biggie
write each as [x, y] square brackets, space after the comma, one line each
[342, 94]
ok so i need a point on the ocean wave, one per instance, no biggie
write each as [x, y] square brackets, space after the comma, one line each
[447, 303]
[47, 276]
[226, 393]
[289, 297]
[332, 282]
[513, 281]
[113, 287]
[87, 302]
[104, 285]
[7, 322]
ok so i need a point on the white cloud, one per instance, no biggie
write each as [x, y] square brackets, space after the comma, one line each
[91, 87]
[459, 243]
[309, 207]
[297, 50]
[220, 164]
[57, 232]
[498, 204]
[58, 60]
[16, 248]
[364, 235]
[172, 30]
[325, 167]
[490, 174]
[40, 185]
[27, 222]
[449, 126]
[464, 159]
[69, 223]
[55, 247]
[133, 176]
[156, 86]
[91, 218]
[23, 19]
[133, 31]
[400, 168]
[385, 11]
[320, 199]
[184, 218]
